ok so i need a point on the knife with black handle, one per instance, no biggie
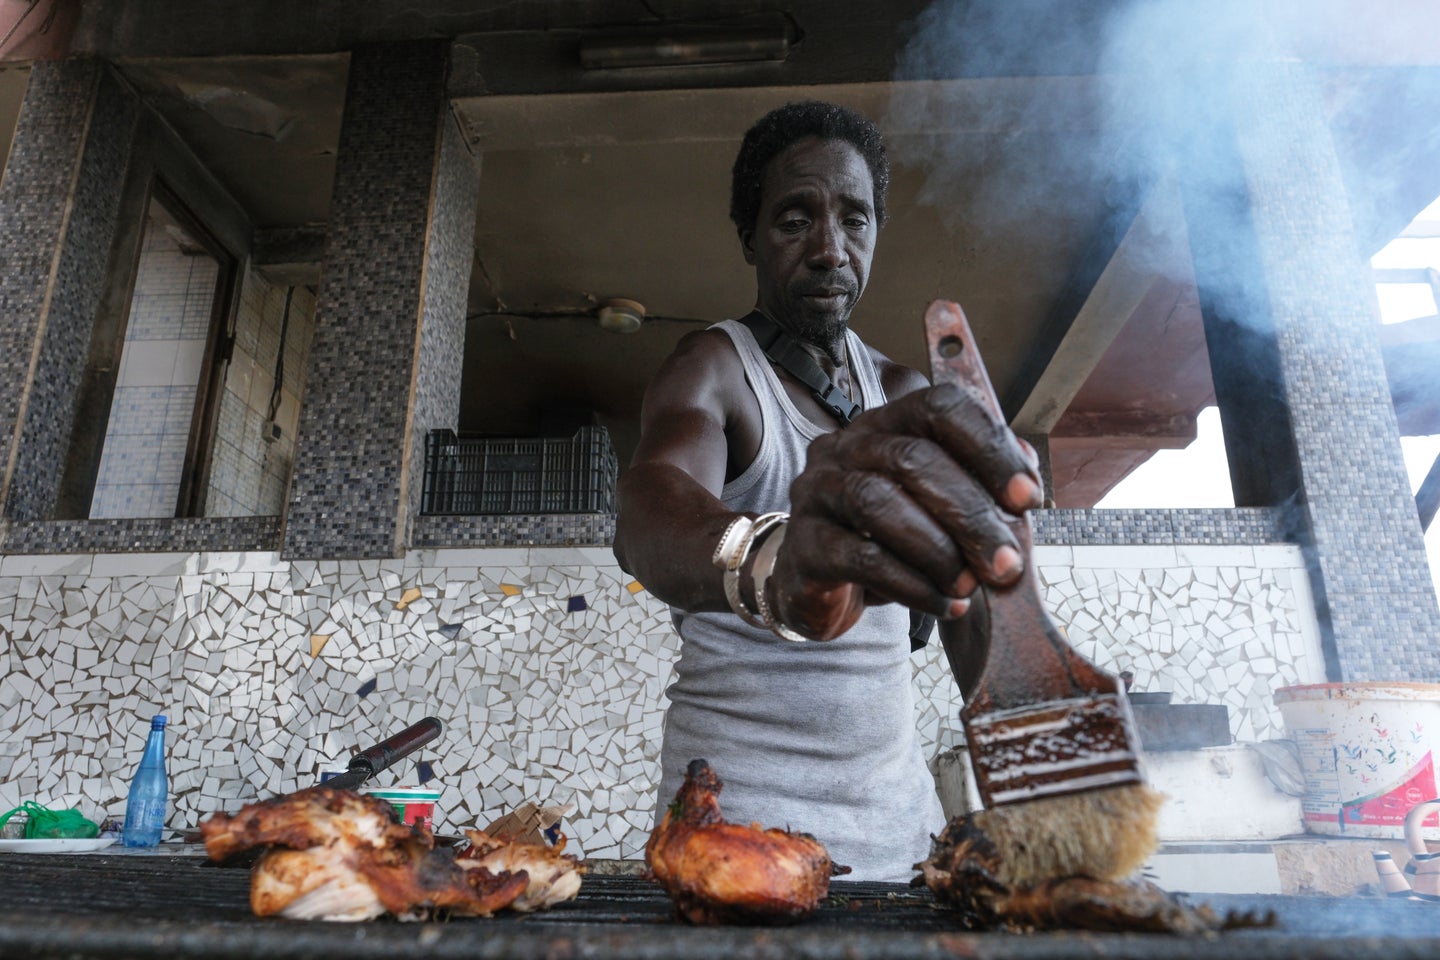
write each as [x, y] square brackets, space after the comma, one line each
[367, 763]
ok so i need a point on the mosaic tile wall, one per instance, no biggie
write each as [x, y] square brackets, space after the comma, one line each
[1356, 493]
[568, 529]
[249, 475]
[139, 535]
[1250, 525]
[1243, 525]
[58, 206]
[547, 665]
[346, 496]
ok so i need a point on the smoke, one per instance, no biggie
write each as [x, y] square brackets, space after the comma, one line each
[1123, 99]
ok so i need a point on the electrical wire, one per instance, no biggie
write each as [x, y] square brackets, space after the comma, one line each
[274, 407]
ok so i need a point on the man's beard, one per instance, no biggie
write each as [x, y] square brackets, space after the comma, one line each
[824, 330]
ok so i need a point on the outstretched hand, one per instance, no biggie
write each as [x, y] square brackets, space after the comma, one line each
[906, 505]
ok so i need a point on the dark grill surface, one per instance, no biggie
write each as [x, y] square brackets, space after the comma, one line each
[123, 906]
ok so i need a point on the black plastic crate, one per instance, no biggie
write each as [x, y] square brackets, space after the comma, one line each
[527, 475]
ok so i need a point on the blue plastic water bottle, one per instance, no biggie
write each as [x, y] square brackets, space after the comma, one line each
[145, 808]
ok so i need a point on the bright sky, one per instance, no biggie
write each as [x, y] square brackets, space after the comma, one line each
[1197, 476]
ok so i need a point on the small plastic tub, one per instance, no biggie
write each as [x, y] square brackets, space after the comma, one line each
[415, 805]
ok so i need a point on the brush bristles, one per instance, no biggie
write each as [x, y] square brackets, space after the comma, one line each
[1107, 834]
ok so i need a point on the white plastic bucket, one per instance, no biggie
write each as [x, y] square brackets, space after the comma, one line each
[1368, 754]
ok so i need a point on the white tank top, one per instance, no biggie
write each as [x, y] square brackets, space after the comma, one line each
[817, 737]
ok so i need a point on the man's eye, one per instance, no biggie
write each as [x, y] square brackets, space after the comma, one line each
[856, 223]
[794, 224]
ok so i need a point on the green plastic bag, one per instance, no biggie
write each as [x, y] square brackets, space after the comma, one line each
[47, 824]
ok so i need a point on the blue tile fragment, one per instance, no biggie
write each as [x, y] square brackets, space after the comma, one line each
[449, 630]
[366, 688]
[424, 772]
[576, 605]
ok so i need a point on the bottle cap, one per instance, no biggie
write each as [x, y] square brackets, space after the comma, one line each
[159, 720]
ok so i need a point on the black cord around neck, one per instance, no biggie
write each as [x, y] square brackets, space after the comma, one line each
[785, 350]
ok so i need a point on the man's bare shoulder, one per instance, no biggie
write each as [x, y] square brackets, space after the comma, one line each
[707, 345]
[702, 361]
[702, 372]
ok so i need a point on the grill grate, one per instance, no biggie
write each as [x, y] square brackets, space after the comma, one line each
[191, 888]
[118, 907]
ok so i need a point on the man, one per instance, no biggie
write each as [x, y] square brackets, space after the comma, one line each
[901, 508]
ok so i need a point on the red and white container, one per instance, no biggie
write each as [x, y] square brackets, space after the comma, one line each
[415, 805]
[1368, 752]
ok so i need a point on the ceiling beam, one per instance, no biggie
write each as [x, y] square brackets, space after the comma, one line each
[1427, 498]
[919, 108]
[1124, 260]
[1128, 430]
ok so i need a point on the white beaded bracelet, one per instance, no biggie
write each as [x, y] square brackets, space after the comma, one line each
[764, 566]
[730, 541]
[734, 549]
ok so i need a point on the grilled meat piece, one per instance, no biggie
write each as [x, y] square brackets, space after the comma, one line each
[308, 818]
[718, 872]
[963, 869]
[554, 876]
[340, 855]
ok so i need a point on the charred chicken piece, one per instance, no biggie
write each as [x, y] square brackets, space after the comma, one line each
[963, 870]
[718, 872]
[339, 855]
[554, 876]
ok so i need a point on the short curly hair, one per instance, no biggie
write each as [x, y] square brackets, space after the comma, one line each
[784, 126]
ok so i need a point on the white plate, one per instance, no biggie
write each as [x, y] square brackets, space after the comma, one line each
[55, 846]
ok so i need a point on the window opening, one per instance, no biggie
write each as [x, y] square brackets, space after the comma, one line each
[155, 454]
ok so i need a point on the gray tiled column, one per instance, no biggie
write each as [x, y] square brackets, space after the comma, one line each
[58, 208]
[390, 314]
[1357, 515]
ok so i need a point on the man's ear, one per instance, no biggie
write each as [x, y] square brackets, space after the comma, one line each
[747, 243]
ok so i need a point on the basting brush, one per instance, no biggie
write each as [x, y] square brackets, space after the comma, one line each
[1051, 737]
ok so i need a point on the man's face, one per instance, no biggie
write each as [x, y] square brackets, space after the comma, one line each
[814, 237]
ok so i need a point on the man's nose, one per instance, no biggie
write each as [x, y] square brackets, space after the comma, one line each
[827, 247]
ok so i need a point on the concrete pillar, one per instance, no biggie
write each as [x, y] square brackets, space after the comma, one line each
[390, 312]
[59, 204]
[1291, 322]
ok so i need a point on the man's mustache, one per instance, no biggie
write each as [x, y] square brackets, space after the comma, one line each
[823, 286]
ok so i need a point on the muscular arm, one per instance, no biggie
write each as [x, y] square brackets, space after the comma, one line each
[670, 514]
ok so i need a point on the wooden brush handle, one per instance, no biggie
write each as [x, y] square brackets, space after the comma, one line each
[1028, 660]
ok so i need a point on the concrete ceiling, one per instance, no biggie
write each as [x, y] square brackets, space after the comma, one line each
[587, 196]
[592, 196]
[1006, 197]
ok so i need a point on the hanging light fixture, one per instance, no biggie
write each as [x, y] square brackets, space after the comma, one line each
[748, 39]
[621, 316]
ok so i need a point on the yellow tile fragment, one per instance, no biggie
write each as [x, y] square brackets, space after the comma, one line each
[408, 597]
[317, 643]
[634, 586]
[509, 589]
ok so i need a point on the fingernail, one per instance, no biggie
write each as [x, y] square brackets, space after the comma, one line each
[965, 584]
[958, 608]
[1005, 562]
[1023, 492]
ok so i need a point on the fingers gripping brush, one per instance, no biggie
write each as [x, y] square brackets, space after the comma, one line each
[1052, 739]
